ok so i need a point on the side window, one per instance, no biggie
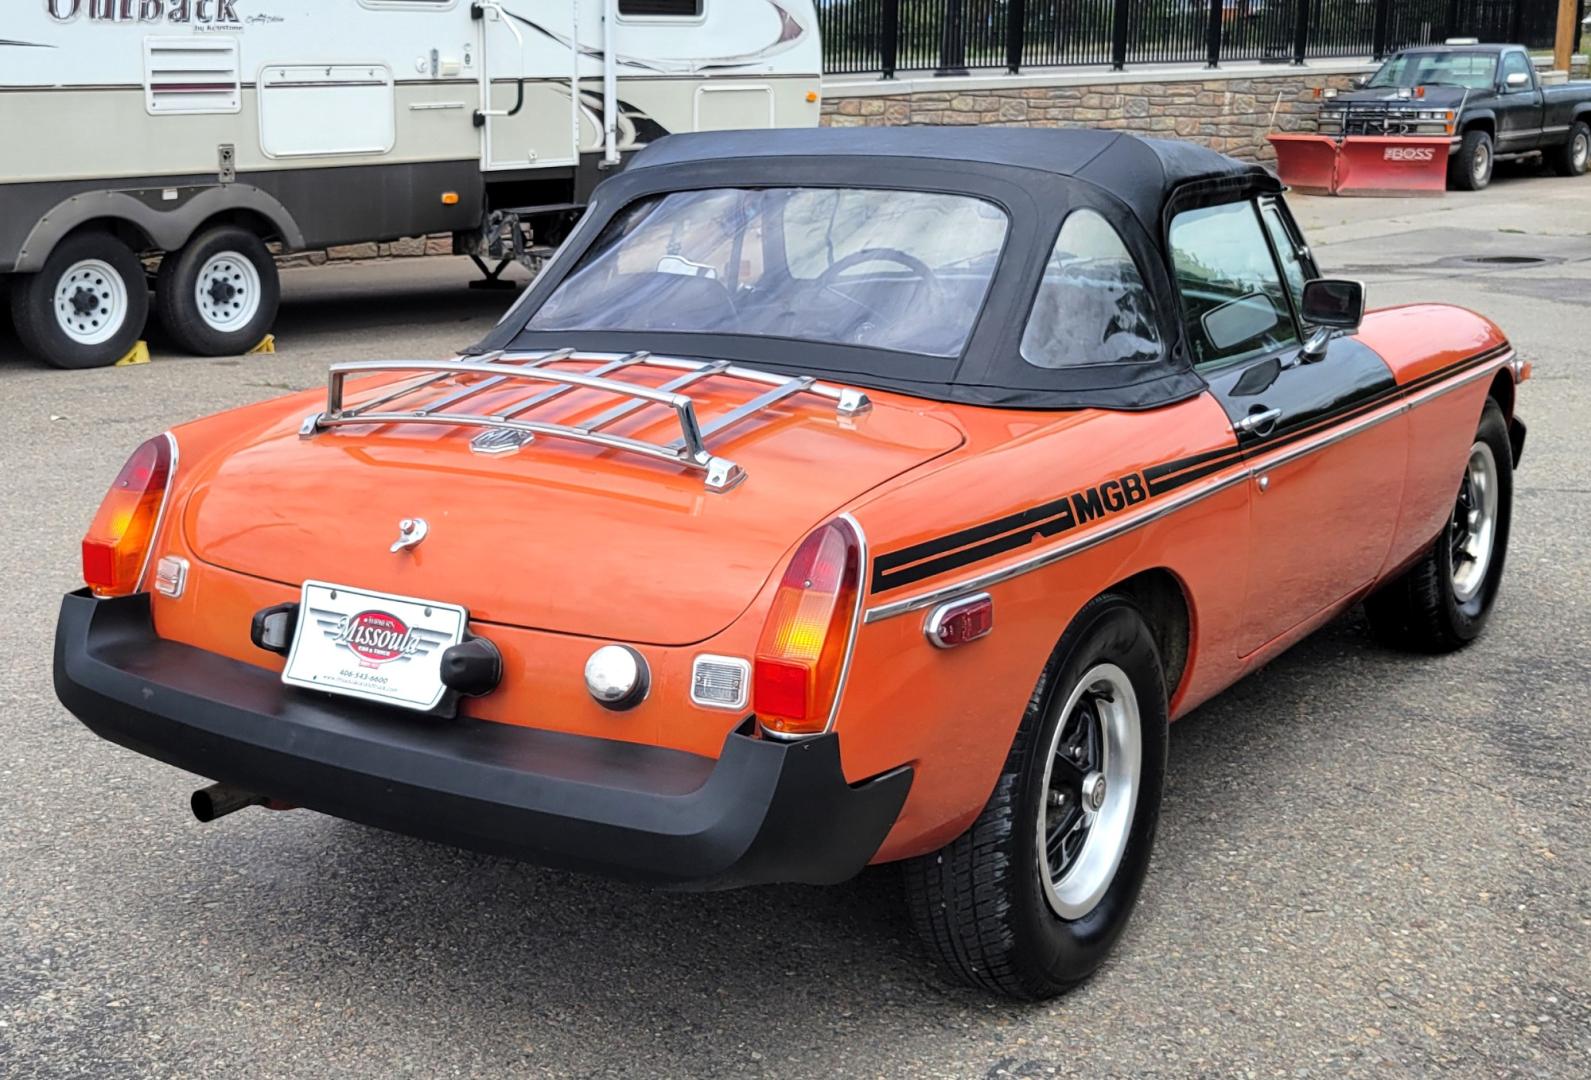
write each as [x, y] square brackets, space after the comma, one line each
[1514, 63]
[654, 9]
[1234, 304]
[1092, 306]
[1293, 269]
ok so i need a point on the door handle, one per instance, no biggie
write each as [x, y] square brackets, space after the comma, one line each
[1259, 421]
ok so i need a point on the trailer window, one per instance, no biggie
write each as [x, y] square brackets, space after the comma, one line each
[653, 9]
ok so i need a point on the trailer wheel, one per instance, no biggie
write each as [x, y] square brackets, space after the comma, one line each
[218, 296]
[1471, 168]
[86, 307]
[1574, 156]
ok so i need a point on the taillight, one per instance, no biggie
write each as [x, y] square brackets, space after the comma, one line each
[804, 643]
[116, 549]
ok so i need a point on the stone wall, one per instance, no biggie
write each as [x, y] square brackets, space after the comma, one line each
[1228, 111]
[413, 247]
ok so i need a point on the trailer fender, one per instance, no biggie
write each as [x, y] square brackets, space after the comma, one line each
[168, 222]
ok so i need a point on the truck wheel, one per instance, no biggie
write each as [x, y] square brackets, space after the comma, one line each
[86, 307]
[1574, 156]
[1030, 899]
[1471, 168]
[1442, 602]
[218, 296]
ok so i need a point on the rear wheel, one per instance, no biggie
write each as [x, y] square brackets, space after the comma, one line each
[1573, 158]
[1029, 901]
[86, 307]
[1471, 168]
[1442, 602]
[218, 296]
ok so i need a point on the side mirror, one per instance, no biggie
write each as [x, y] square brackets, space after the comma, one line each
[1518, 80]
[1330, 304]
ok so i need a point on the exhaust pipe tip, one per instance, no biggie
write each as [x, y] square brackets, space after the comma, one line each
[219, 800]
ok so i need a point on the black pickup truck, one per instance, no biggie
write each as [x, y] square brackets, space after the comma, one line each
[1486, 98]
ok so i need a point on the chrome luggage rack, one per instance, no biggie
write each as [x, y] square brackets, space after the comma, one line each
[508, 430]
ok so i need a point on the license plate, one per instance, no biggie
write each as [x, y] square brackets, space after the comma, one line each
[373, 646]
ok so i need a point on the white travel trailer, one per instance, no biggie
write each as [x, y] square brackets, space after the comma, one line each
[200, 130]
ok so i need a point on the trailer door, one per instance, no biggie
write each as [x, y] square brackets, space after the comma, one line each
[531, 111]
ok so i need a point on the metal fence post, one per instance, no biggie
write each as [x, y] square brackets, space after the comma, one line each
[1016, 17]
[1212, 34]
[889, 38]
[1383, 28]
[1301, 33]
[1452, 19]
[952, 42]
[1118, 38]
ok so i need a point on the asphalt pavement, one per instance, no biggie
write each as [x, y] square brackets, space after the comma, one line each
[1370, 864]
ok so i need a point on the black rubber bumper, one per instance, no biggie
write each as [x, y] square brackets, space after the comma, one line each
[764, 811]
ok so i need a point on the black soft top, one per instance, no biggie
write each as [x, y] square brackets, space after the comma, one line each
[1038, 176]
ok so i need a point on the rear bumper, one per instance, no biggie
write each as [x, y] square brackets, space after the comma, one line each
[762, 812]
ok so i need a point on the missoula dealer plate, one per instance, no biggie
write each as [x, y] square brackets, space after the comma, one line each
[373, 646]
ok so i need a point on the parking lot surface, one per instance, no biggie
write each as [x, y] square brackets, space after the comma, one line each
[1369, 864]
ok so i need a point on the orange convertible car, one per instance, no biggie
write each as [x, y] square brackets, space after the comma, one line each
[832, 498]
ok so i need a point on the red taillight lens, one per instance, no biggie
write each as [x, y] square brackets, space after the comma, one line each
[802, 651]
[116, 548]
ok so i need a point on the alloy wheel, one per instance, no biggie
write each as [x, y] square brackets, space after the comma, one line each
[1473, 532]
[1091, 779]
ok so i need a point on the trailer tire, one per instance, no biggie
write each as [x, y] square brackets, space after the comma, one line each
[1471, 168]
[1573, 157]
[86, 307]
[218, 296]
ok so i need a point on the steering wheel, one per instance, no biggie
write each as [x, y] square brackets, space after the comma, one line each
[927, 280]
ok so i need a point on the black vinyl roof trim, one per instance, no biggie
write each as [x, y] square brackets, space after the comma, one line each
[1039, 176]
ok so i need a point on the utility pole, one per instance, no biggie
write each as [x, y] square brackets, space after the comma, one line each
[1563, 51]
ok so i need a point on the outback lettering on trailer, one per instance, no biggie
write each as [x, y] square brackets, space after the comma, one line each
[180, 12]
[1409, 153]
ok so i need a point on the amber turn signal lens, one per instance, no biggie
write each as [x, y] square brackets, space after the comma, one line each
[116, 548]
[802, 652]
[450, 198]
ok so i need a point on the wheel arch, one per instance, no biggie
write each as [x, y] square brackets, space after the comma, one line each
[1163, 598]
[162, 229]
[1483, 122]
[1503, 391]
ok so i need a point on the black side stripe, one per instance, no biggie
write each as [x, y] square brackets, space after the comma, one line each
[907, 565]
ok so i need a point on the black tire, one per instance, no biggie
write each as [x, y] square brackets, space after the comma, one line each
[1573, 157]
[1471, 168]
[179, 306]
[1423, 611]
[980, 904]
[111, 283]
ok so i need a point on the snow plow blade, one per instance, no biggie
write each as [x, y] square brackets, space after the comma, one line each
[1392, 165]
[1306, 163]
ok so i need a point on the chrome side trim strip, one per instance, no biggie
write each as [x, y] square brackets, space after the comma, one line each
[1041, 559]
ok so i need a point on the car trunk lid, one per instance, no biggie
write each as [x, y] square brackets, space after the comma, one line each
[559, 535]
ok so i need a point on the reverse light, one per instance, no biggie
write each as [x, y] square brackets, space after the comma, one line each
[802, 653]
[117, 547]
